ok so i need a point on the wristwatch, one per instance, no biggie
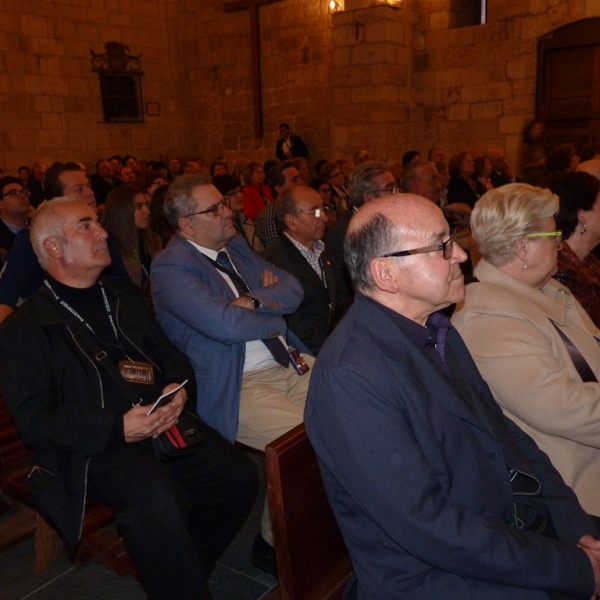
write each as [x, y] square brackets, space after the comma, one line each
[254, 301]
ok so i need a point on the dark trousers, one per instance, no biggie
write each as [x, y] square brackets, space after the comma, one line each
[176, 517]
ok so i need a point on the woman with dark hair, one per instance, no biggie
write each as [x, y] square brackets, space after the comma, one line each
[218, 167]
[158, 221]
[126, 218]
[321, 185]
[462, 185]
[533, 152]
[256, 195]
[561, 159]
[481, 175]
[579, 220]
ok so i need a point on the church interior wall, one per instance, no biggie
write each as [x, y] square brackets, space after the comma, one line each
[402, 82]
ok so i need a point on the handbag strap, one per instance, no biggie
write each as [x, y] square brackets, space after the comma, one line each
[584, 370]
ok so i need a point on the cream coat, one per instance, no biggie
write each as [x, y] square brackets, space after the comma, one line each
[506, 326]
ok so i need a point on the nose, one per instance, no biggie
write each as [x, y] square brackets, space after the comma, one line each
[458, 254]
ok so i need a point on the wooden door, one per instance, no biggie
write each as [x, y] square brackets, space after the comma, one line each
[568, 83]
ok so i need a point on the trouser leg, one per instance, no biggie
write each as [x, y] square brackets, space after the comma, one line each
[151, 512]
[221, 483]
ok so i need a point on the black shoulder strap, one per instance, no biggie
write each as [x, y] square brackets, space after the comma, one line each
[584, 370]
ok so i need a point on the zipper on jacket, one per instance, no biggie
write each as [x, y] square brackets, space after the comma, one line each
[93, 365]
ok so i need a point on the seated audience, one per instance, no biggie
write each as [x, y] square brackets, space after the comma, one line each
[462, 187]
[174, 168]
[444, 174]
[422, 178]
[218, 167]
[256, 195]
[158, 221]
[482, 171]
[323, 187]
[436, 154]
[22, 274]
[502, 172]
[527, 332]
[126, 218]
[301, 216]
[102, 181]
[75, 404]
[346, 169]
[577, 218]
[34, 185]
[436, 493]
[301, 165]
[231, 189]
[561, 159]
[411, 157]
[14, 210]
[332, 172]
[360, 156]
[227, 315]
[23, 175]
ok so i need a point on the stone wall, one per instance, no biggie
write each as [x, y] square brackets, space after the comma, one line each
[50, 107]
[296, 72]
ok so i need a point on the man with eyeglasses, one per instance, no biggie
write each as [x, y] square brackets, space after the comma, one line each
[423, 179]
[224, 306]
[368, 181]
[437, 494]
[14, 210]
[22, 274]
[301, 218]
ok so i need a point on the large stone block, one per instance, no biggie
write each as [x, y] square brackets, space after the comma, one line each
[32, 25]
[374, 94]
[496, 91]
[512, 124]
[395, 74]
[53, 139]
[458, 112]
[365, 54]
[519, 105]
[24, 139]
[386, 31]
[486, 110]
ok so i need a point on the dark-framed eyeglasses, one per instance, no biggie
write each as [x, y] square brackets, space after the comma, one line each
[387, 190]
[215, 209]
[557, 235]
[16, 193]
[446, 247]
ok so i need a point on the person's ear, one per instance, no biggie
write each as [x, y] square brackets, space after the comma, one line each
[185, 226]
[521, 248]
[52, 246]
[290, 221]
[384, 273]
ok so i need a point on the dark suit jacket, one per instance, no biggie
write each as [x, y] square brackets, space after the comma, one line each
[102, 187]
[419, 482]
[313, 319]
[7, 237]
[298, 148]
[459, 190]
[499, 179]
[334, 242]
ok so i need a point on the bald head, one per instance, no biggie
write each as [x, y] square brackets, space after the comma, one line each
[417, 284]
[591, 166]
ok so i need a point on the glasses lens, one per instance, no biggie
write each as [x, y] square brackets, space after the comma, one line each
[317, 212]
[448, 248]
[219, 209]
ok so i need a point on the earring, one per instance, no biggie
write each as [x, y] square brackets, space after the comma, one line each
[583, 229]
[525, 264]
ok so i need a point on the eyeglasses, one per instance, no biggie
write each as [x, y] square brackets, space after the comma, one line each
[557, 235]
[317, 211]
[235, 192]
[446, 247]
[387, 190]
[15, 193]
[215, 209]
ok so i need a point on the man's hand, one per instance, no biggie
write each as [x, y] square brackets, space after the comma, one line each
[138, 425]
[268, 278]
[244, 302]
[591, 546]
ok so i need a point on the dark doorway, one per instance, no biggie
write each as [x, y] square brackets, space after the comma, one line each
[568, 83]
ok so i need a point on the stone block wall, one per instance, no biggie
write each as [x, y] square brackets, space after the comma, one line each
[296, 52]
[50, 106]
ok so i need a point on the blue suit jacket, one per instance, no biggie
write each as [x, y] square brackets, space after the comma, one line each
[419, 483]
[192, 302]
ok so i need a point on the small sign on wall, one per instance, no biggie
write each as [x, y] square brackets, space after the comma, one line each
[152, 109]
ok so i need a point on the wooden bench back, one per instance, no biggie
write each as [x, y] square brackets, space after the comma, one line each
[14, 456]
[312, 560]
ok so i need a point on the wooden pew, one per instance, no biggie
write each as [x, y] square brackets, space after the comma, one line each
[106, 547]
[312, 560]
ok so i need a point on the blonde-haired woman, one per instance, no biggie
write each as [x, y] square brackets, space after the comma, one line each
[527, 332]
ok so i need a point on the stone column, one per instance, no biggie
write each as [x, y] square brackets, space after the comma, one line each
[371, 75]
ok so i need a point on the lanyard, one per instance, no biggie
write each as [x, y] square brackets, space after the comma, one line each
[79, 317]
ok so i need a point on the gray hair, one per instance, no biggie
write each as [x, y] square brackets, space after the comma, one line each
[47, 223]
[377, 237]
[504, 215]
[285, 204]
[178, 200]
[411, 174]
[360, 181]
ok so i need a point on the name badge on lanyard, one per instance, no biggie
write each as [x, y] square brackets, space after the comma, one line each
[136, 372]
